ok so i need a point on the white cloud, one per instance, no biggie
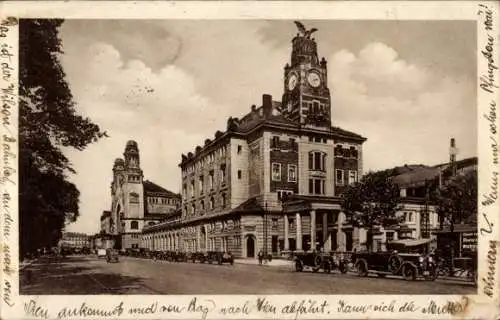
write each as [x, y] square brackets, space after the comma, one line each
[407, 113]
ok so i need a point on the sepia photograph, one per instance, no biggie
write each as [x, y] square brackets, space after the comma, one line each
[265, 156]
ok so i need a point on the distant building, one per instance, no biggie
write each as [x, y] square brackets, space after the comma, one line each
[74, 240]
[136, 202]
[420, 218]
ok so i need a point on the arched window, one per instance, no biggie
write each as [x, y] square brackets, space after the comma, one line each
[134, 225]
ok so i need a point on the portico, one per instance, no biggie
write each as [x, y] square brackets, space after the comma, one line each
[315, 223]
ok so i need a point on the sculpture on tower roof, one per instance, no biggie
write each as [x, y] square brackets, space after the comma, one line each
[303, 31]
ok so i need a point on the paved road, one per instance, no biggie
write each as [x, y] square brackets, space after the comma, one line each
[89, 275]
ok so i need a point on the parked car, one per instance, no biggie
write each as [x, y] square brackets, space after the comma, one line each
[319, 260]
[408, 265]
[112, 255]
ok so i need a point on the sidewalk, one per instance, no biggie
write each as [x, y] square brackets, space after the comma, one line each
[26, 263]
[272, 263]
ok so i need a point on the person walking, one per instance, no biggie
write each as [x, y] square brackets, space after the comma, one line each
[260, 255]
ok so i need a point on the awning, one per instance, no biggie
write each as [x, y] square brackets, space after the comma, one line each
[411, 242]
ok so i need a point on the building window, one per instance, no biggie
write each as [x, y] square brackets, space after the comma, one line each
[239, 174]
[192, 188]
[410, 216]
[193, 209]
[223, 200]
[211, 180]
[212, 203]
[292, 173]
[275, 142]
[201, 184]
[134, 225]
[339, 177]
[274, 223]
[239, 149]
[223, 175]
[317, 161]
[276, 171]
[202, 205]
[353, 176]
[317, 186]
[389, 236]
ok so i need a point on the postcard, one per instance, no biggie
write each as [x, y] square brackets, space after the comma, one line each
[249, 160]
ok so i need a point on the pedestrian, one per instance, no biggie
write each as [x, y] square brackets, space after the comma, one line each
[260, 256]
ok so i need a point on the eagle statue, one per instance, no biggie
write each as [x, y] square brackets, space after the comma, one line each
[303, 31]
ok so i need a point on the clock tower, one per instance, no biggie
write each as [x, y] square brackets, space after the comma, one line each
[306, 97]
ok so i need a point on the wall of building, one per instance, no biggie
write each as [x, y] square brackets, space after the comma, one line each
[239, 171]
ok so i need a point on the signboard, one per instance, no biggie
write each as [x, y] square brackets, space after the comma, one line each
[469, 241]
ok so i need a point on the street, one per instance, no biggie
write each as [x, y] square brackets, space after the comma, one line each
[89, 275]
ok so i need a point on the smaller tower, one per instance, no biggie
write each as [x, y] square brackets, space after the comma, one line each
[132, 163]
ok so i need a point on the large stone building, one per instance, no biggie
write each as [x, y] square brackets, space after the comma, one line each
[273, 179]
[74, 240]
[136, 202]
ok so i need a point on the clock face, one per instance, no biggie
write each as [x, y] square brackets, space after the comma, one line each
[292, 81]
[314, 79]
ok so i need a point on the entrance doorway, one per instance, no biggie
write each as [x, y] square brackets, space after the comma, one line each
[250, 247]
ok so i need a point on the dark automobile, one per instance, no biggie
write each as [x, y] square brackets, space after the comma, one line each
[197, 257]
[219, 257]
[319, 260]
[410, 265]
[111, 255]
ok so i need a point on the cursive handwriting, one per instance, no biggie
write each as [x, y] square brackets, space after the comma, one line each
[489, 279]
[34, 310]
[89, 311]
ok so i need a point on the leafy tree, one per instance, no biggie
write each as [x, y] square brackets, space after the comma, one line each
[47, 122]
[373, 201]
[457, 200]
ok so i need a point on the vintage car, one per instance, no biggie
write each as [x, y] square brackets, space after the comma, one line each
[319, 260]
[408, 264]
[196, 257]
[219, 257]
[111, 255]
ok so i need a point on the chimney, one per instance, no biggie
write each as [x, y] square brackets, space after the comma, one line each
[267, 104]
[254, 108]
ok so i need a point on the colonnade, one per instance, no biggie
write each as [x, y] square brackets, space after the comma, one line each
[327, 241]
[163, 241]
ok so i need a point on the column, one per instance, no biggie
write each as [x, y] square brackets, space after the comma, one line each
[340, 233]
[327, 237]
[298, 227]
[198, 234]
[206, 239]
[287, 242]
[313, 229]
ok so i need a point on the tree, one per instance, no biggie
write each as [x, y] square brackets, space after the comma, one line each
[47, 122]
[372, 202]
[457, 200]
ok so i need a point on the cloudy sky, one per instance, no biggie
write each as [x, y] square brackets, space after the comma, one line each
[406, 86]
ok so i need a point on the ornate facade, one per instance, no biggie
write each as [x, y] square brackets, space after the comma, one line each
[136, 202]
[272, 180]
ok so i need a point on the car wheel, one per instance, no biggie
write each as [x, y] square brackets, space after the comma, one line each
[298, 266]
[409, 272]
[362, 269]
[381, 275]
[343, 267]
[327, 268]
[433, 274]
